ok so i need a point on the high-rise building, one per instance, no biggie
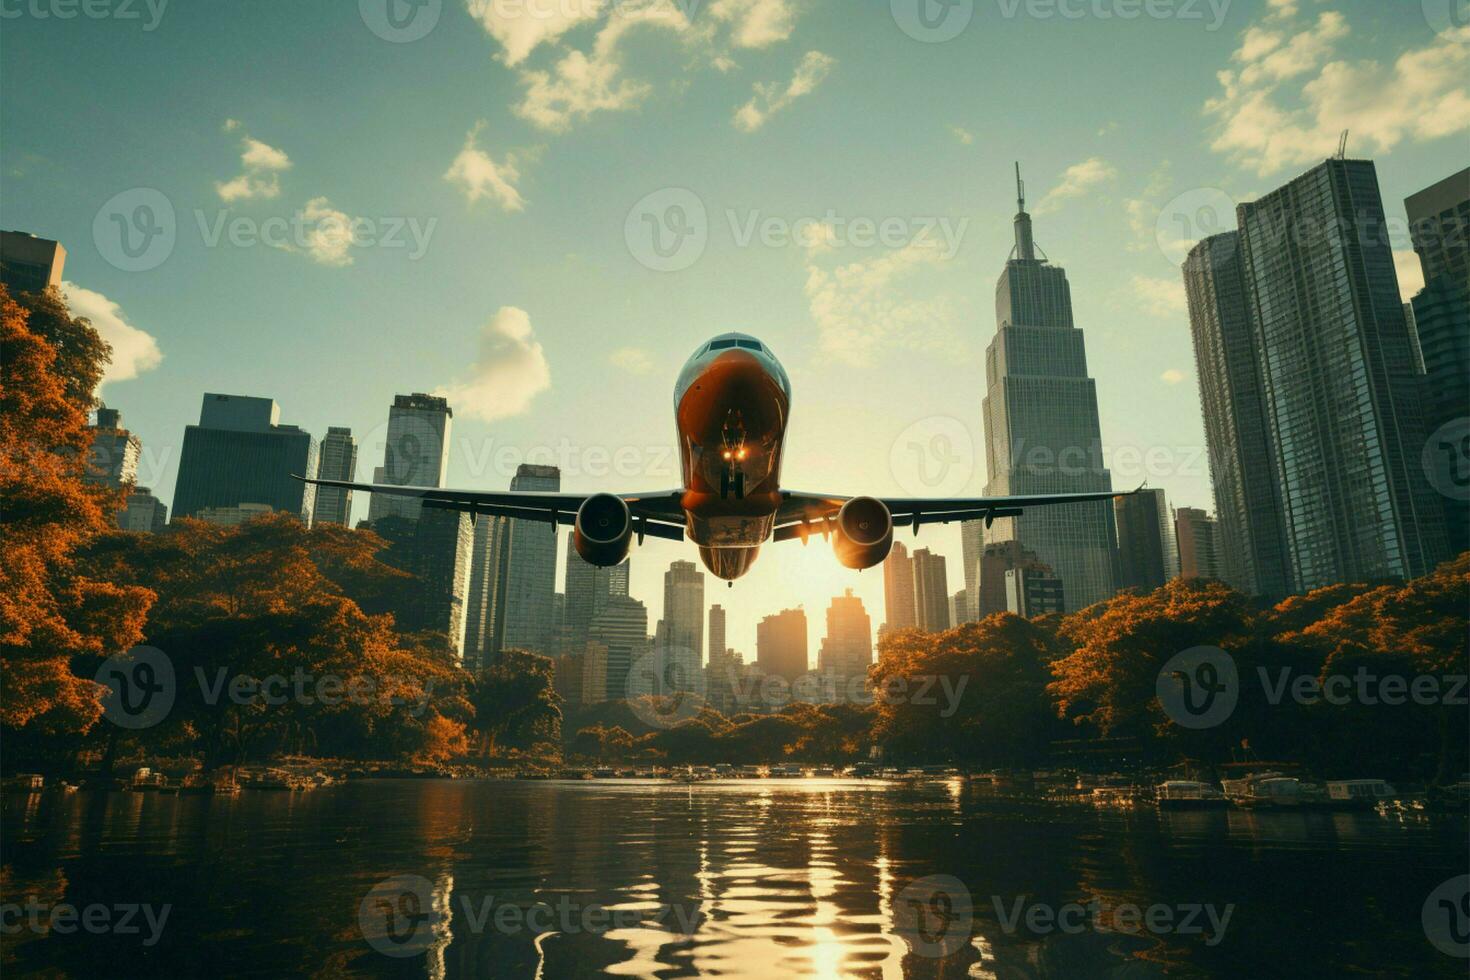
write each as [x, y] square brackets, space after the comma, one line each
[112, 459]
[1042, 433]
[29, 264]
[144, 512]
[724, 676]
[588, 588]
[1342, 399]
[959, 608]
[239, 453]
[621, 629]
[415, 452]
[780, 644]
[997, 560]
[485, 598]
[1237, 427]
[1171, 541]
[530, 579]
[847, 649]
[1140, 540]
[593, 673]
[898, 590]
[684, 615]
[232, 516]
[436, 548]
[1031, 591]
[931, 591]
[1199, 543]
[1439, 217]
[337, 461]
[717, 629]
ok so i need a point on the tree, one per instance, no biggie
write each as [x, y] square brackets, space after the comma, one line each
[56, 622]
[514, 700]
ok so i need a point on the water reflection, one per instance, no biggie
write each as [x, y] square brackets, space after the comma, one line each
[815, 878]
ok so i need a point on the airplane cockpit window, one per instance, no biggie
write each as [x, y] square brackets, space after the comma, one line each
[722, 344]
[750, 344]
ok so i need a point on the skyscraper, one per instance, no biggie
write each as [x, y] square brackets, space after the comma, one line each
[931, 591]
[898, 589]
[780, 644]
[239, 453]
[485, 596]
[1041, 423]
[996, 564]
[1140, 540]
[1439, 217]
[588, 587]
[436, 548]
[29, 264]
[530, 578]
[847, 649]
[1342, 400]
[684, 616]
[717, 629]
[144, 512]
[415, 452]
[1199, 543]
[621, 630]
[1237, 431]
[338, 461]
[112, 459]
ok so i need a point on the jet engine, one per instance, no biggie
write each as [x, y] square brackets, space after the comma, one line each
[603, 531]
[864, 532]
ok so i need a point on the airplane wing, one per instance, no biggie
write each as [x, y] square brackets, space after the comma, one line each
[657, 514]
[802, 513]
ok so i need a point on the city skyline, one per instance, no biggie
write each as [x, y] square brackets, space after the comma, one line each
[282, 323]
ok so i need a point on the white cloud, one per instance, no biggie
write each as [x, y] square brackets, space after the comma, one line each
[962, 134]
[772, 97]
[755, 23]
[510, 371]
[860, 308]
[634, 360]
[1143, 210]
[1264, 126]
[262, 165]
[1077, 180]
[1172, 376]
[1159, 297]
[327, 233]
[1410, 272]
[521, 26]
[476, 174]
[582, 83]
[133, 350]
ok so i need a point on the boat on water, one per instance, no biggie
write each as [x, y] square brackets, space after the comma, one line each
[1264, 790]
[25, 782]
[785, 772]
[1188, 794]
[1359, 794]
[604, 772]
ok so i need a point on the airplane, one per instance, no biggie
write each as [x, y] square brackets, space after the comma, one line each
[732, 402]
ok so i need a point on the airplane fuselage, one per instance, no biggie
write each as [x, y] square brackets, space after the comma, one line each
[731, 406]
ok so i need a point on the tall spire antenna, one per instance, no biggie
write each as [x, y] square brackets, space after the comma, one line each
[1020, 189]
[1025, 248]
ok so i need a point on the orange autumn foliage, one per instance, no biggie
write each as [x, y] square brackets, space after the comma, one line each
[51, 614]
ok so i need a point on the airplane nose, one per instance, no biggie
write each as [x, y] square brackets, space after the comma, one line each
[734, 382]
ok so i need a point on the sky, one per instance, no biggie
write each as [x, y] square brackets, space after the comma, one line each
[540, 208]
